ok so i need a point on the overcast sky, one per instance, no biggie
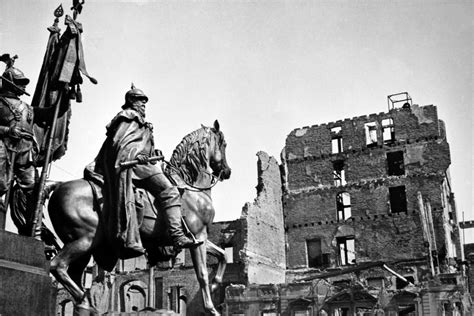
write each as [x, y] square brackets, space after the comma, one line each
[262, 68]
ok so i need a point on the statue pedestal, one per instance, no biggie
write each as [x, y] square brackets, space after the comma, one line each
[25, 285]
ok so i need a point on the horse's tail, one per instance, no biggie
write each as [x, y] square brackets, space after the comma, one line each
[46, 234]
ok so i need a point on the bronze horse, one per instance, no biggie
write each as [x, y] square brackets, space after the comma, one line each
[198, 160]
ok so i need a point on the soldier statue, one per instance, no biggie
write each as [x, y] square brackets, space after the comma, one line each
[18, 148]
[130, 137]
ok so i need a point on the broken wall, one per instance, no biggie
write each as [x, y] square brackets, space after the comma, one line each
[411, 125]
[263, 229]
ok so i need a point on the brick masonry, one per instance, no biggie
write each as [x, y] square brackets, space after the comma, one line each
[263, 230]
[310, 195]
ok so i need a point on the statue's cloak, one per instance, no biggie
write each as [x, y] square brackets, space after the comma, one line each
[128, 134]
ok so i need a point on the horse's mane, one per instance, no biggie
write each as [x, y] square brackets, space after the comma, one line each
[189, 157]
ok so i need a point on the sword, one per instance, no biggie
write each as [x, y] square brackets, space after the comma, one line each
[131, 163]
[10, 180]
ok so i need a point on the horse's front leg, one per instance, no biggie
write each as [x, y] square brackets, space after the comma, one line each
[198, 254]
[218, 253]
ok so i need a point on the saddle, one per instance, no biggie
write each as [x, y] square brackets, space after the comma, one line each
[143, 202]
[145, 208]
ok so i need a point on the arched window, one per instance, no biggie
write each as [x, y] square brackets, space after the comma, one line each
[133, 296]
[343, 206]
[135, 299]
[177, 299]
[67, 308]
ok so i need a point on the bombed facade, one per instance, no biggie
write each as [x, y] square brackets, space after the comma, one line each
[358, 219]
[370, 221]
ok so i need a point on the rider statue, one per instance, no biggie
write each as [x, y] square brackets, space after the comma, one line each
[18, 148]
[130, 137]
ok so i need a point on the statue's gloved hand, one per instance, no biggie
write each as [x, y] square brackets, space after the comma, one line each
[14, 132]
[142, 158]
[158, 153]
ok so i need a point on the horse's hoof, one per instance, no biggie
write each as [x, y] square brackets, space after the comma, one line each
[214, 312]
[85, 310]
[214, 287]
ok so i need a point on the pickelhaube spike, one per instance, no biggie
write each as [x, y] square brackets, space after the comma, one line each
[134, 93]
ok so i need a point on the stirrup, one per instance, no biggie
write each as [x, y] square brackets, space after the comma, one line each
[189, 233]
[184, 241]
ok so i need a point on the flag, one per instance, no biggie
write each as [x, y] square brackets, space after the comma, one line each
[59, 81]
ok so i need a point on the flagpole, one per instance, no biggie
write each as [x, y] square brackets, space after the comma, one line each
[38, 215]
[38, 212]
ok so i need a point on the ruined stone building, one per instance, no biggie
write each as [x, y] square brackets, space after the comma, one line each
[370, 221]
[358, 219]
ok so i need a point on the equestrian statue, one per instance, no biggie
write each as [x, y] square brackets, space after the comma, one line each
[129, 204]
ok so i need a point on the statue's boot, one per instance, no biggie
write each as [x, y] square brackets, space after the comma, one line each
[22, 209]
[171, 203]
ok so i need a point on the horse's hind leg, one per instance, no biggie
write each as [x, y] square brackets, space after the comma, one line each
[218, 253]
[77, 267]
[198, 254]
[73, 251]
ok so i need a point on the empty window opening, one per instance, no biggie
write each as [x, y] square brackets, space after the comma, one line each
[315, 255]
[388, 131]
[451, 216]
[346, 247]
[159, 292]
[341, 311]
[446, 309]
[371, 134]
[87, 278]
[406, 310]
[395, 162]
[458, 307]
[401, 284]
[339, 173]
[177, 299]
[229, 254]
[67, 308]
[180, 258]
[342, 284]
[398, 199]
[269, 313]
[336, 140]
[343, 206]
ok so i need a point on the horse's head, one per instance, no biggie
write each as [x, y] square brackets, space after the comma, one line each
[202, 152]
[217, 156]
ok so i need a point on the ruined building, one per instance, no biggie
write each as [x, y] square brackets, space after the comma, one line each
[359, 219]
[370, 221]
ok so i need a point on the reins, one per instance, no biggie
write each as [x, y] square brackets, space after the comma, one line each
[213, 182]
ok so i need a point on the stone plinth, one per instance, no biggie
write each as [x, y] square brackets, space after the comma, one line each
[25, 285]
